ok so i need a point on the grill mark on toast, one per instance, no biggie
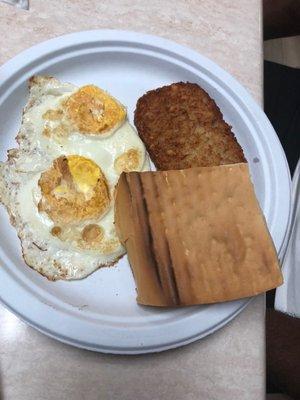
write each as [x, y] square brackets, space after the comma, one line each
[170, 269]
[148, 229]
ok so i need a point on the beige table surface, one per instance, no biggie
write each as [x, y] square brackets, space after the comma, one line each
[228, 365]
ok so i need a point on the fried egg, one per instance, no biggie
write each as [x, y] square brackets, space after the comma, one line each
[58, 185]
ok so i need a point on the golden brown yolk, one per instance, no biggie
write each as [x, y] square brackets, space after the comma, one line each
[74, 189]
[93, 111]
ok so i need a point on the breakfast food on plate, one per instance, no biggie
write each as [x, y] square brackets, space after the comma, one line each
[182, 127]
[195, 236]
[58, 185]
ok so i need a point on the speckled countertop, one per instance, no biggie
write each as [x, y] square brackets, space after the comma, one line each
[227, 365]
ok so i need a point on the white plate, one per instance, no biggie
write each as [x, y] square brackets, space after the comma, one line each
[100, 312]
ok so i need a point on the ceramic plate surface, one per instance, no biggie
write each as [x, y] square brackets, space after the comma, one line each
[100, 312]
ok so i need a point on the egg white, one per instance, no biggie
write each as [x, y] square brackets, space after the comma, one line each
[20, 191]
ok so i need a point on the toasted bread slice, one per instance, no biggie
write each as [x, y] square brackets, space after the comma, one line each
[195, 236]
[182, 127]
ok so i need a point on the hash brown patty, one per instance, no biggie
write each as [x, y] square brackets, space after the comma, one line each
[182, 127]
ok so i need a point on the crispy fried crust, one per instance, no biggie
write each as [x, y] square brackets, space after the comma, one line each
[182, 127]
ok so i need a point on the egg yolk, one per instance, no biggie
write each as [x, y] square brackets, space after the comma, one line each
[85, 173]
[93, 111]
[74, 189]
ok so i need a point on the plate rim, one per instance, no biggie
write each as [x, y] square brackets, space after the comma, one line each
[59, 43]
